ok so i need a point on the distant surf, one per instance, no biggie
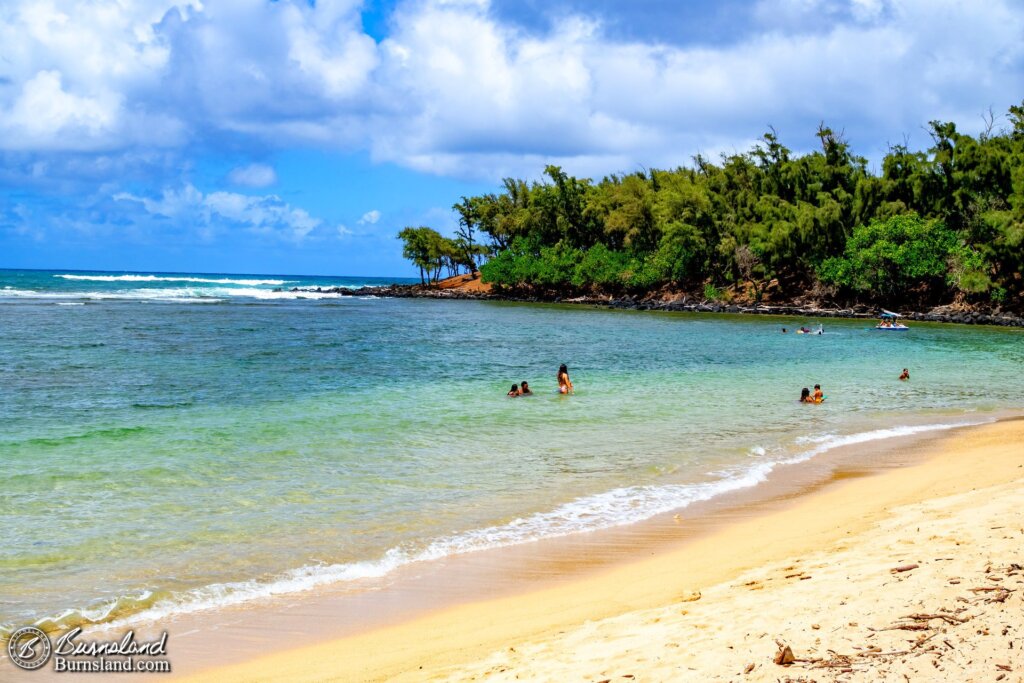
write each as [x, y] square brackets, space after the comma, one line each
[171, 278]
[172, 294]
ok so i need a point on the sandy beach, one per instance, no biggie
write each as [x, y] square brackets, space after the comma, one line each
[913, 573]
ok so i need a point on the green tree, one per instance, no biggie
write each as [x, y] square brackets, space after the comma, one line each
[428, 250]
[903, 253]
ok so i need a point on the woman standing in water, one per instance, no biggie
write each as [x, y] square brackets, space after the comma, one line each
[564, 383]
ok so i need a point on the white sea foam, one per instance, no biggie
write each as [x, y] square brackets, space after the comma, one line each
[176, 294]
[617, 507]
[172, 294]
[267, 294]
[827, 442]
[173, 278]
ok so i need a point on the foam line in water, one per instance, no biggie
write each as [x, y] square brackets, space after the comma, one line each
[171, 294]
[828, 442]
[617, 507]
[175, 278]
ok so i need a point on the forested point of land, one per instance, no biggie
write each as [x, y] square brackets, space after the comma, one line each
[939, 226]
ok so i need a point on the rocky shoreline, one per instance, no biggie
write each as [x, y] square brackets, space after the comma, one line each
[680, 304]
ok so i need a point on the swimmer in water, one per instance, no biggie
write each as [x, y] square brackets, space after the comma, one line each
[524, 389]
[564, 383]
[514, 391]
[906, 375]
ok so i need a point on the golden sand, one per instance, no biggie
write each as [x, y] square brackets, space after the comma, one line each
[909, 574]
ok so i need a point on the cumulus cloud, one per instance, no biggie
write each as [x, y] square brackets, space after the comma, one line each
[253, 175]
[370, 217]
[75, 76]
[454, 89]
[266, 215]
[489, 93]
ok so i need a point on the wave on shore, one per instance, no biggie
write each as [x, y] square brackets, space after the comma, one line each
[614, 508]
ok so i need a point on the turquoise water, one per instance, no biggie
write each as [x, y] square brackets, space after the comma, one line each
[176, 444]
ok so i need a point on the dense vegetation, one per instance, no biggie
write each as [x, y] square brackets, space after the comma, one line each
[942, 225]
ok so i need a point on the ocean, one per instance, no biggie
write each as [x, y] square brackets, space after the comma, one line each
[180, 442]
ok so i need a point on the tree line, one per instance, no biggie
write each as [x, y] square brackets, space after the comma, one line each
[933, 226]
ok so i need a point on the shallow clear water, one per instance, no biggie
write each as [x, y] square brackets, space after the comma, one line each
[166, 450]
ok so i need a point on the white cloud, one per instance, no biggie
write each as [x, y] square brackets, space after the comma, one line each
[75, 76]
[253, 175]
[866, 10]
[44, 108]
[453, 90]
[370, 217]
[488, 95]
[265, 215]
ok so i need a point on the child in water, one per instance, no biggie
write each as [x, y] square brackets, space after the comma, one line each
[818, 395]
[514, 391]
[906, 375]
[564, 383]
[524, 389]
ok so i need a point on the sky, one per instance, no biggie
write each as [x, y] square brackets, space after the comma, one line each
[299, 136]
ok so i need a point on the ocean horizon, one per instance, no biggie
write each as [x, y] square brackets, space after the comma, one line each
[163, 457]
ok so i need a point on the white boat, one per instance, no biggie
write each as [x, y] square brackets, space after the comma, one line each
[890, 322]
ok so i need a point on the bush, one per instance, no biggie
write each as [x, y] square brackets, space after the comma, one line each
[889, 257]
[601, 267]
[679, 256]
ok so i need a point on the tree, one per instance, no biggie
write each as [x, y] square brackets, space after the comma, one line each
[469, 217]
[890, 258]
[428, 250]
[769, 214]
[750, 265]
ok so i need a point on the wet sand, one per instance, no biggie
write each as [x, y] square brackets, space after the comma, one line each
[580, 607]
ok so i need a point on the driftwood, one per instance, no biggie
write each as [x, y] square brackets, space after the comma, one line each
[1000, 593]
[948, 618]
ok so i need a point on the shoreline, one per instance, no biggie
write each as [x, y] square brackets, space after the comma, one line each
[462, 632]
[464, 288]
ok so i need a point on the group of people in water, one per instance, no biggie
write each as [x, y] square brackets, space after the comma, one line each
[564, 385]
[818, 396]
[521, 389]
[807, 397]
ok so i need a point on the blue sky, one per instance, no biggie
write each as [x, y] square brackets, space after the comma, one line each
[298, 137]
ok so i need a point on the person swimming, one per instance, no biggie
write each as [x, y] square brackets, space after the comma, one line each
[564, 383]
[906, 375]
[805, 396]
[818, 395]
[514, 391]
[524, 389]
